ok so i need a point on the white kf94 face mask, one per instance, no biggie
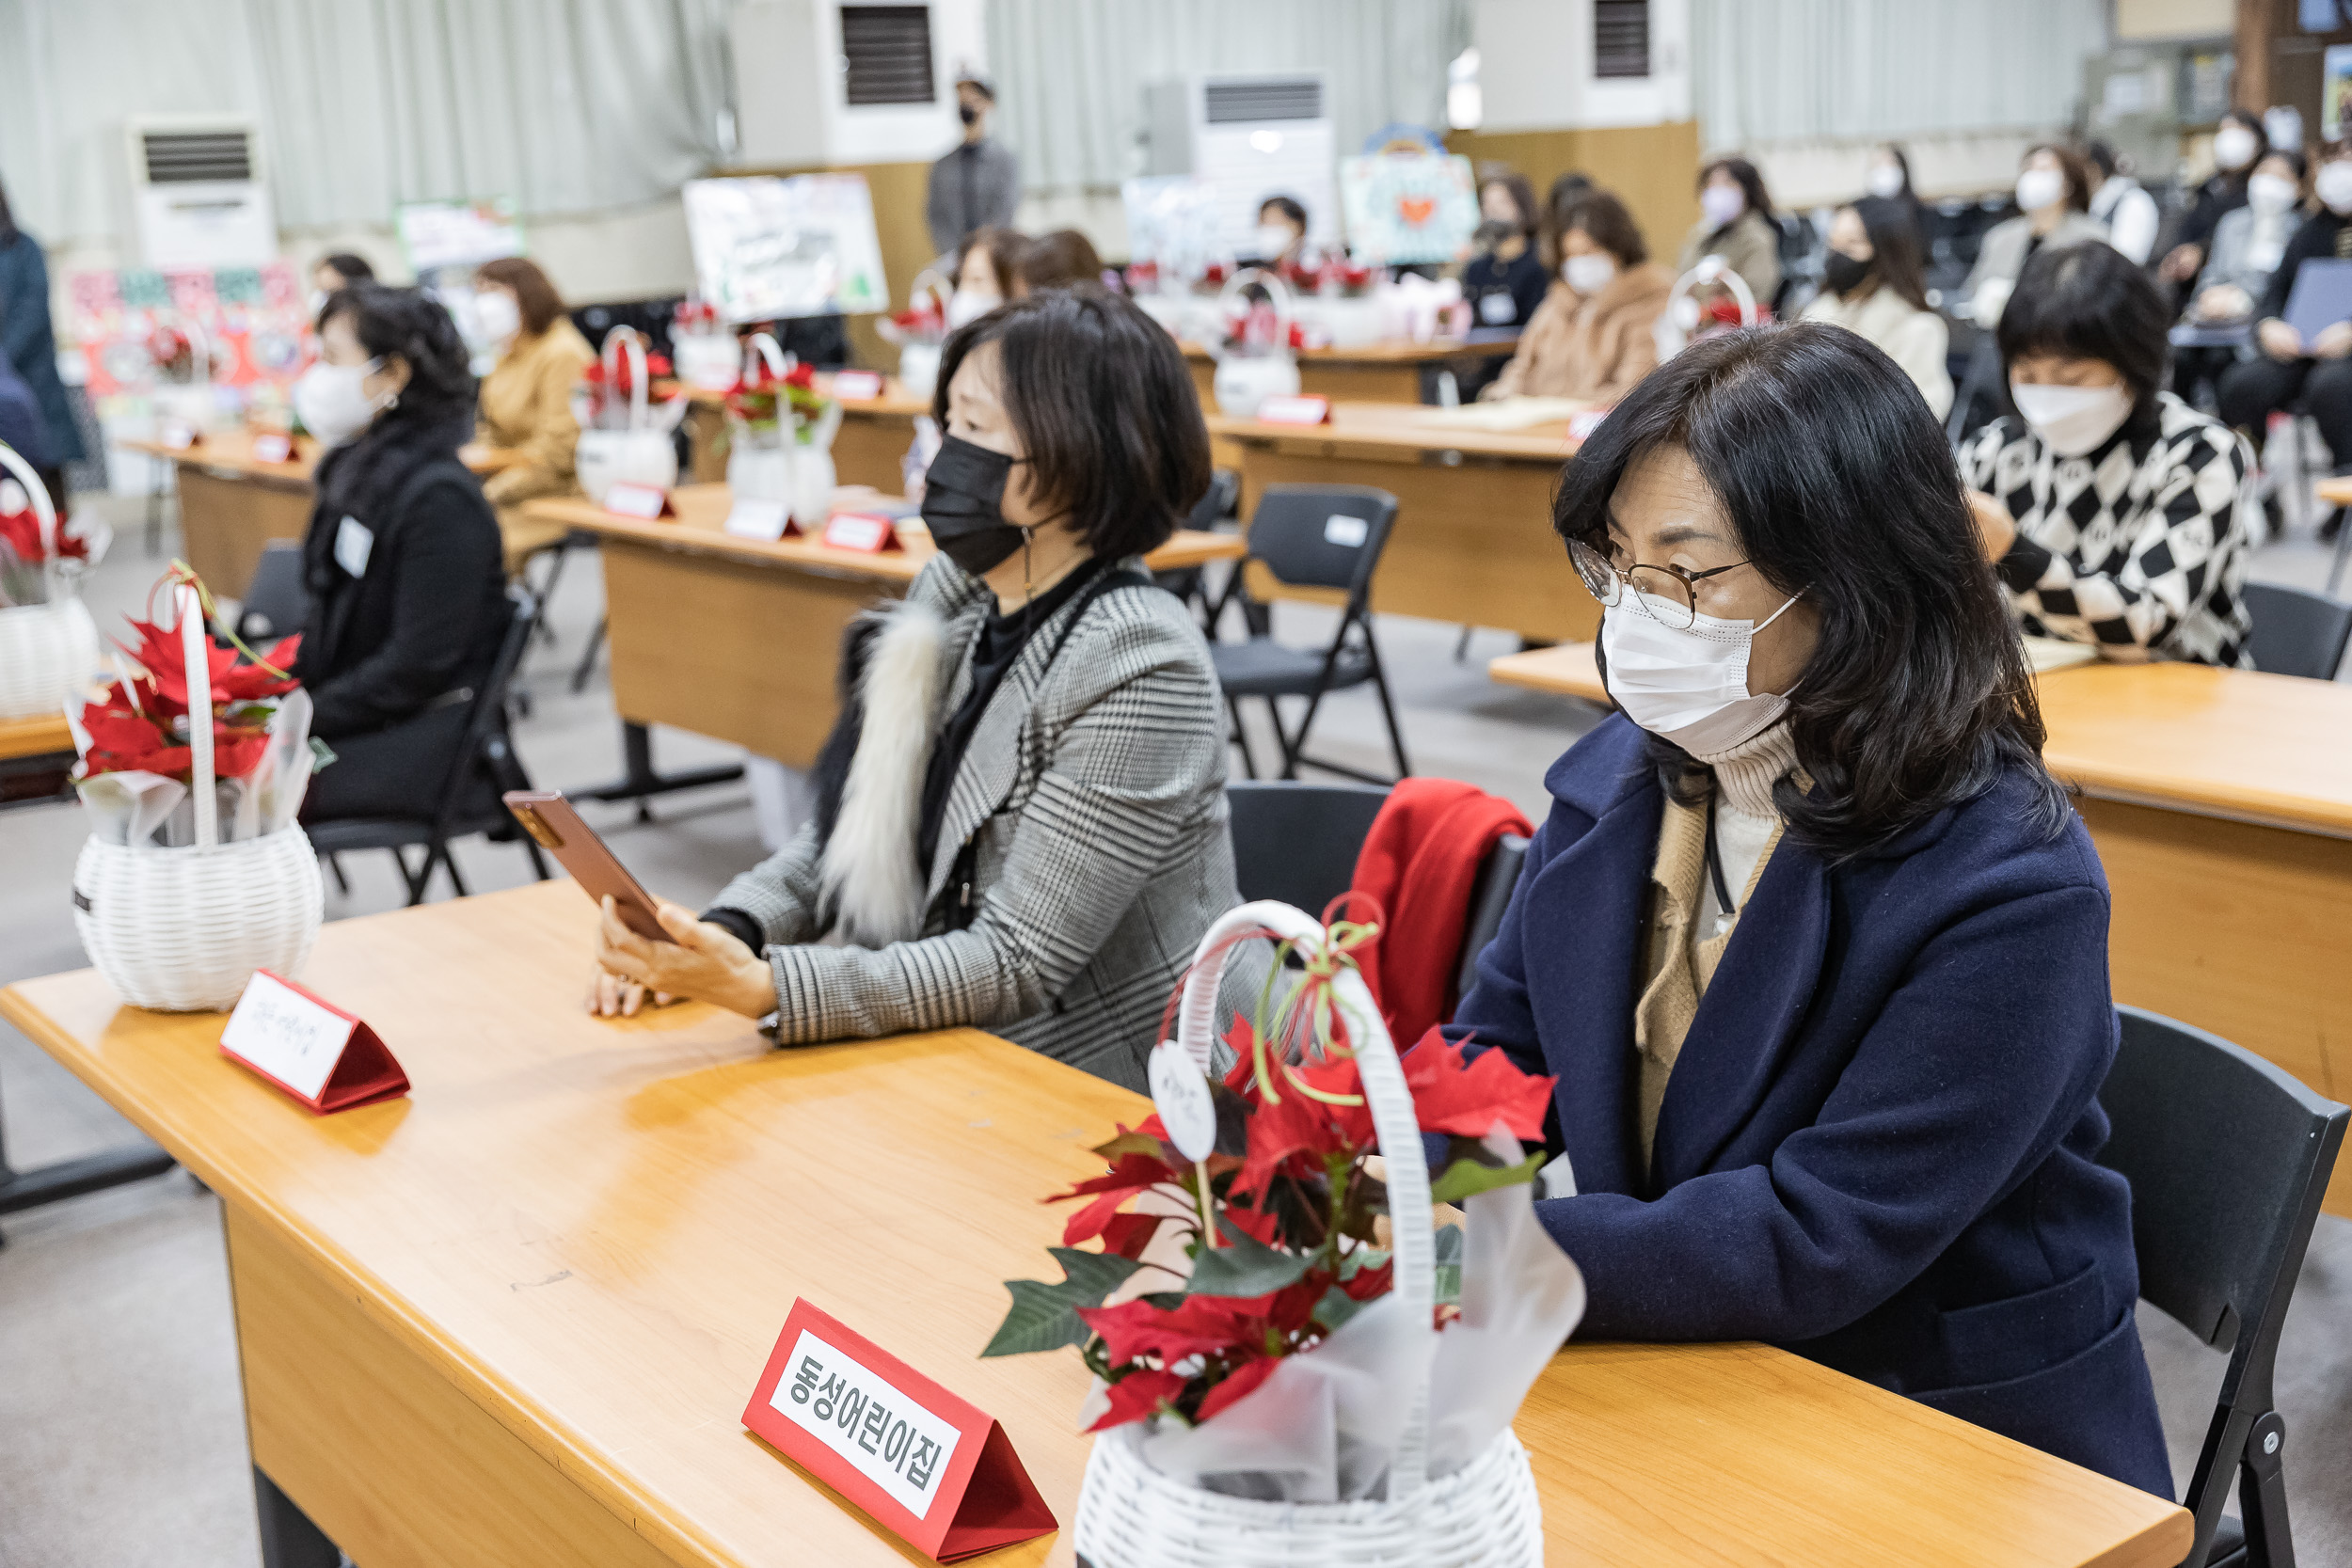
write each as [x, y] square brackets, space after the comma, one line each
[2073, 421]
[1689, 684]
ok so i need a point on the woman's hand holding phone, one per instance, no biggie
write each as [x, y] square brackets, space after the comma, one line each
[700, 961]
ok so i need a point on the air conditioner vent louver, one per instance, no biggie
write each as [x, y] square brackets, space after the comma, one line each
[1292, 98]
[181, 157]
[1620, 37]
[888, 50]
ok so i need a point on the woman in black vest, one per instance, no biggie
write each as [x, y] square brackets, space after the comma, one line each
[401, 561]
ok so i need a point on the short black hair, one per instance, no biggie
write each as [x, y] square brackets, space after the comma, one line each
[347, 266]
[1897, 256]
[1601, 218]
[1288, 207]
[414, 326]
[2087, 301]
[1105, 408]
[1841, 486]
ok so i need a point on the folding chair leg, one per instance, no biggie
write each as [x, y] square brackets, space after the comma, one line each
[538, 861]
[1295, 741]
[450, 861]
[2262, 1494]
[1387, 708]
[1241, 739]
[417, 878]
[587, 665]
[343, 884]
[2343, 550]
[1461, 648]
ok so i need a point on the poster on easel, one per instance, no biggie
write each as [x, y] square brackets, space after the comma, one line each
[2335, 91]
[772, 247]
[1408, 208]
[1172, 223]
[437, 235]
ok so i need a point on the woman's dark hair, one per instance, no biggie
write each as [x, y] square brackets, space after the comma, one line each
[1522, 197]
[414, 326]
[1567, 187]
[1896, 258]
[1902, 161]
[1841, 486]
[1759, 199]
[1566, 192]
[533, 291]
[1106, 409]
[1289, 206]
[1601, 218]
[2103, 158]
[1059, 260]
[2080, 179]
[350, 268]
[2292, 159]
[1004, 249]
[2088, 302]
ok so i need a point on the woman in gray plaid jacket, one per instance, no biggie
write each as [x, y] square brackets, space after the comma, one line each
[1022, 820]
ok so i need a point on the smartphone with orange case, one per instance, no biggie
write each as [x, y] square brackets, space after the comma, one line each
[550, 820]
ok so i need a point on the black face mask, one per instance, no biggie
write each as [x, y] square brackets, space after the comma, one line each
[1842, 273]
[967, 113]
[963, 497]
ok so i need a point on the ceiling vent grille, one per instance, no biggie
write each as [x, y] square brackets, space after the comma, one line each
[1620, 37]
[183, 157]
[887, 51]
[1259, 98]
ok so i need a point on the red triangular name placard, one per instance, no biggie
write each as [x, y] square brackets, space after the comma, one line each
[294, 1038]
[934, 1469]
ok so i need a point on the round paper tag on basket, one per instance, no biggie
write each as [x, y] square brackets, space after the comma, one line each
[1181, 1095]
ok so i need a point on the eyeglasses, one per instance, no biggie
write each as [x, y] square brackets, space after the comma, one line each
[1669, 594]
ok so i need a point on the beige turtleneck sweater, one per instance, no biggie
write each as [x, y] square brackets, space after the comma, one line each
[1688, 930]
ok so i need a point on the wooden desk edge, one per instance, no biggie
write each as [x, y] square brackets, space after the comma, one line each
[648, 1515]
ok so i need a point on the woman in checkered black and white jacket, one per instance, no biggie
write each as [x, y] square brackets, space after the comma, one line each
[2114, 513]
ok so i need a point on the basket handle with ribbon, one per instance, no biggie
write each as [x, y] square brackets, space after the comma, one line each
[1278, 293]
[194, 651]
[1334, 989]
[44, 511]
[762, 348]
[626, 343]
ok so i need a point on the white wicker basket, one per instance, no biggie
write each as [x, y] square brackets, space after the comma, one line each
[1484, 1515]
[182, 930]
[48, 651]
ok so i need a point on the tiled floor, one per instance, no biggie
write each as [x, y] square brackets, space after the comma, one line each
[122, 1437]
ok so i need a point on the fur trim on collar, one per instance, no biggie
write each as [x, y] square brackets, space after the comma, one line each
[869, 877]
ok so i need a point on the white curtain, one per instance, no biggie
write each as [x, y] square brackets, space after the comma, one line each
[1070, 74]
[1768, 71]
[565, 105]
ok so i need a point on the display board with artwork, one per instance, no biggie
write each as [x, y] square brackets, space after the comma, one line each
[1404, 208]
[767, 248]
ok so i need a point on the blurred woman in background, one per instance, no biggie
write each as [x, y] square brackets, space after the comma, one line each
[2248, 246]
[987, 273]
[1505, 281]
[1736, 223]
[1594, 334]
[1061, 260]
[29, 344]
[1872, 284]
[2053, 209]
[330, 274]
[526, 401]
[2127, 212]
[2239, 144]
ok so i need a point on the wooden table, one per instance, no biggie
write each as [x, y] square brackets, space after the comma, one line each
[233, 505]
[1375, 373]
[868, 449]
[740, 639]
[2220, 802]
[1472, 542]
[35, 755]
[515, 1316]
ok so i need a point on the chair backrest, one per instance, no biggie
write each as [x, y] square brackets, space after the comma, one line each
[1322, 535]
[2297, 632]
[1490, 894]
[485, 715]
[1298, 842]
[1218, 501]
[275, 603]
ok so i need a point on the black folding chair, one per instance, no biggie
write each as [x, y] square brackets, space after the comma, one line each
[1296, 842]
[482, 743]
[2297, 632]
[1312, 536]
[1214, 507]
[275, 603]
[2229, 1158]
[1490, 896]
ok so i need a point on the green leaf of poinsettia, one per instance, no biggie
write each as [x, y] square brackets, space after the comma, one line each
[1468, 1176]
[1243, 1266]
[1045, 1317]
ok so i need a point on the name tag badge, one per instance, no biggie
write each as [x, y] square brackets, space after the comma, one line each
[313, 1050]
[1305, 408]
[757, 519]
[1498, 309]
[273, 449]
[856, 386]
[631, 500]
[1350, 532]
[354, 541]
[861, 532]
[934, 1470]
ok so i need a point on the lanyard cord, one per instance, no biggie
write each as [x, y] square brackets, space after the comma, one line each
[1714, 861]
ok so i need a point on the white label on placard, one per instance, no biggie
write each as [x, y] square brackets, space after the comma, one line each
[855, 531]
[272, 448]
[286, 1035]
[894, 1442]
[1341, 529]
[857, 385]
[749, 518]
[634, 501]
[1306, 409]
[1181, 1095]
[179, 437]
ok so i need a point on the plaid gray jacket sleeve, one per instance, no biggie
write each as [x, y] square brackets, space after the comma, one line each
[780, 893]
[1095, 879]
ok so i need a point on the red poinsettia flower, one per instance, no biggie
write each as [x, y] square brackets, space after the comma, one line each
[1132, 1174]
[1467, 1099]
[1139, 1394]
[800, 375]
[20, 530]
[160, 652]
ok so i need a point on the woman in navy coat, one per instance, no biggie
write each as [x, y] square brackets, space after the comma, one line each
[1811, 940]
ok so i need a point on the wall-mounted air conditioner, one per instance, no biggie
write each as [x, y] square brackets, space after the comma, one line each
[1255, 137]
[197, 194]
